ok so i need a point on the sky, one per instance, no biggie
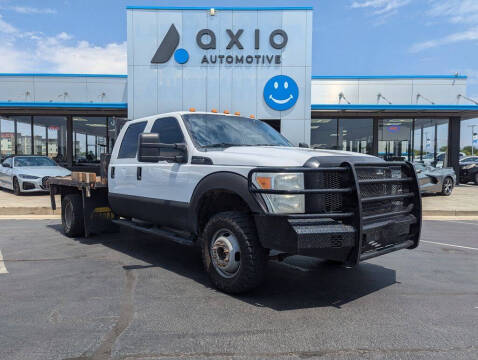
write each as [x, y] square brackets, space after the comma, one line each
[351, 37]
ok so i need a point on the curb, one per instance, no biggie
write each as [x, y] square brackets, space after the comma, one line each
[449, 213]
[29, 211]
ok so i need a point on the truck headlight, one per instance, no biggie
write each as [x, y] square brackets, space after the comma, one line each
[281, 204]
[30, 177]
[468, 167]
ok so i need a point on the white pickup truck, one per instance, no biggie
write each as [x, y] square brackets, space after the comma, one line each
[238, 189]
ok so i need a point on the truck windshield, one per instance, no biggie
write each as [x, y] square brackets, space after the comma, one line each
[208, 130]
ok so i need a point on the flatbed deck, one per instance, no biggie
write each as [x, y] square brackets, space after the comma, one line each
[68, 181]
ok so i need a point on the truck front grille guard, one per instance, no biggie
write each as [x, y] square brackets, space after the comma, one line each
[390, 184]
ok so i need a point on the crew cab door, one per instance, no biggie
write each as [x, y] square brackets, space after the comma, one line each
[166, 183]
[123, 183]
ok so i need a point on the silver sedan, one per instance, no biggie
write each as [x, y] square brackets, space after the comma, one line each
[24, 173]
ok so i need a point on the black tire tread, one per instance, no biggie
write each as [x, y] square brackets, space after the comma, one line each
[78, 227]
[253, 270]
[16, 190]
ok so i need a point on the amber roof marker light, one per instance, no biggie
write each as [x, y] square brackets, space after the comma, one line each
[214, 111]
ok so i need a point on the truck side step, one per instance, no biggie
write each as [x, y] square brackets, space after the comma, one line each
[156, 231]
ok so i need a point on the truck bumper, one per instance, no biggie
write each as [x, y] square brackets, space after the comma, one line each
[333, 240]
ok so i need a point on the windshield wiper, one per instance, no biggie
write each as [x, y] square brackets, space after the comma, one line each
[221, 145]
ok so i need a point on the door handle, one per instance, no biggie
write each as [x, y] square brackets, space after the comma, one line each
[112, 172]
[138, 173]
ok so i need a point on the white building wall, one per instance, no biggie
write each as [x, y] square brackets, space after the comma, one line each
[398, 91]
[62, 88]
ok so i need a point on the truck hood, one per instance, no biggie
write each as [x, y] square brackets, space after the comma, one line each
[42, 171]
[280, 156]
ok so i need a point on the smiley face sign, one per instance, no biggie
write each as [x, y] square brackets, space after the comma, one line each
[281, 92]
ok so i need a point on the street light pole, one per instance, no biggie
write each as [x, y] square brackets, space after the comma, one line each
[472, 137]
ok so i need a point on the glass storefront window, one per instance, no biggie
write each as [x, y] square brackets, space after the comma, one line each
[430, 141]
[344, 134]
[356, 135]
[24, 135]
[395, 139]
[323, 134]
[39, 140]
[49, 137]
[89, 139]
[7, 137]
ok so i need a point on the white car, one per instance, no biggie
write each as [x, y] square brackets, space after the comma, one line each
[25, 173]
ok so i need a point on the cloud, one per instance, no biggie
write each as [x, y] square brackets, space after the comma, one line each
[468, 35]
[32, 10]
[460, 12]
[6, 28]
[14, 60]
[27, 51]
[381, 7]
[82, 57]
[455, 11]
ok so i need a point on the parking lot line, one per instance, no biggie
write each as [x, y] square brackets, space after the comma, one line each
[457, 246]
[3, 268]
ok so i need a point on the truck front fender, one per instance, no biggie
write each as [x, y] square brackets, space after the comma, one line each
[221, 181]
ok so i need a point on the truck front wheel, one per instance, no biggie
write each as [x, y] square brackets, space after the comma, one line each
[72, 215]
[232, 255]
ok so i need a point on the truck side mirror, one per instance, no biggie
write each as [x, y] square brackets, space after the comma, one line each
[150, 149]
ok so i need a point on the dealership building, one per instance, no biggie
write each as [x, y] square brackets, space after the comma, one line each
[254, 61]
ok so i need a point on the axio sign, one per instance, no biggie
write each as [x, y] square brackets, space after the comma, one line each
[256, 61]
[206, 40]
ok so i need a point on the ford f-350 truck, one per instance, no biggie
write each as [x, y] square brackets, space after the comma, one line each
[238, 189]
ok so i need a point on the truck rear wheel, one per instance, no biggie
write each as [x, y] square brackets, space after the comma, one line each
[233, 257]
[72, 215]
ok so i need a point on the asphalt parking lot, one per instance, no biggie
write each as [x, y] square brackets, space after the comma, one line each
[129, 296]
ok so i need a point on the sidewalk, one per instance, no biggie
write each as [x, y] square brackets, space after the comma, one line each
[30, 204]
[463, 202]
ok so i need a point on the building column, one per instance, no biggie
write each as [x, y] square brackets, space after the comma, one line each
[69, 141]
[454, 145]
[375, 137]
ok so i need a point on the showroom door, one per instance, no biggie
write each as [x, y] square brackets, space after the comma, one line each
[395, 139]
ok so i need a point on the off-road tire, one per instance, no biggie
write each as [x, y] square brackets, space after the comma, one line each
[72, 215]
[253, 257]
[445, 191]
[16, 187]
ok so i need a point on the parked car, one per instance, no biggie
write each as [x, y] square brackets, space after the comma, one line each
[434, 180]
[469, 169]
[429, 159]
[29, 173]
